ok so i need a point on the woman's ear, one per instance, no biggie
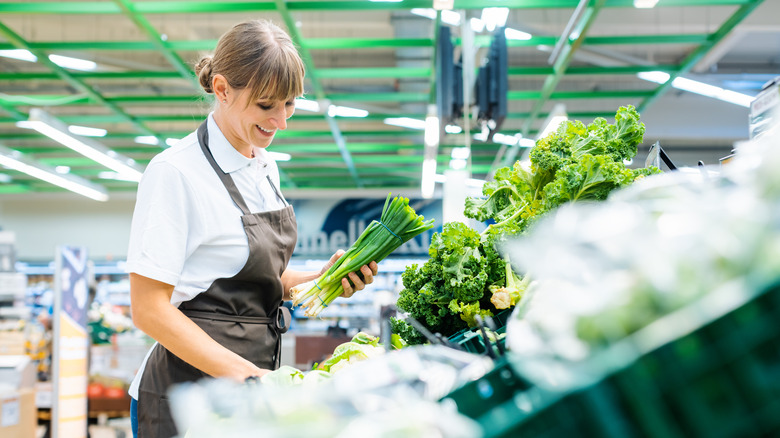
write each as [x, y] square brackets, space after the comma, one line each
[220, 86]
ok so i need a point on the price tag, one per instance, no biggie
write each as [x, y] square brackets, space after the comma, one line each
[9, 413]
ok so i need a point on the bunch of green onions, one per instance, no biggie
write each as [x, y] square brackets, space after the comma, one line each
[398, 224]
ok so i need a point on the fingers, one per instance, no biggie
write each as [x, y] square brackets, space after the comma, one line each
[353, 283]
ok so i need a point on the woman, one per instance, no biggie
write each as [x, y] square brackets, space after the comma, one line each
[212, 235]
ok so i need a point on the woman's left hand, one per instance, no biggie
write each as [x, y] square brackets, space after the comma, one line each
[353, 283]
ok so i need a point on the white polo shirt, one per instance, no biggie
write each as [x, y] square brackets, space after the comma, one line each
[186, 230]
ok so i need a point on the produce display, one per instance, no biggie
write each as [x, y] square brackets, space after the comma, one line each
[361, 347]
[398, 224]
[466, 274]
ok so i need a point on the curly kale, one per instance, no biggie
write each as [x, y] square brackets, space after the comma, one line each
[592, 177]
[457, 249]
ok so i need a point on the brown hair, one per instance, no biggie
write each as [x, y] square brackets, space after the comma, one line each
[256, 55]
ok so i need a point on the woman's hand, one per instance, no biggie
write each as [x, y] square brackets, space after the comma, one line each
[352, 282]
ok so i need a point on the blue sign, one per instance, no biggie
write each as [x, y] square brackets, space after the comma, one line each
[325, 226]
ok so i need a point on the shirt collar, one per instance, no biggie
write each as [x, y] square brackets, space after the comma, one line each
[227, 157]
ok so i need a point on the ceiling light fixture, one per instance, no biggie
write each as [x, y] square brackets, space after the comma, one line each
[307, 105]
[53, 128]
[698, 87]
[405, 122]
[345, 111]
[494, 18]
[15, 160]
[645, 4]
[62, 61]
[147, 139]
[87, 131]
[514, 34]
[279, 156]
[431, 148]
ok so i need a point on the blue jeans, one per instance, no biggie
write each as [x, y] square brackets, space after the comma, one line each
[134, 416]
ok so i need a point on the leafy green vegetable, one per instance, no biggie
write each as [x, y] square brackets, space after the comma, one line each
[284, 376]
[398, 224]
[506, 296]
[465, 275]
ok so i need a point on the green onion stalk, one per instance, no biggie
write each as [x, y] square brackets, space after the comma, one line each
[398, 224]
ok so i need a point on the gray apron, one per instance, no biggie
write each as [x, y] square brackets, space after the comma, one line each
[242, 313]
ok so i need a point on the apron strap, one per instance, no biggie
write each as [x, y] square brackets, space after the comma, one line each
[278, 193]
[227, 181]
[231, 318]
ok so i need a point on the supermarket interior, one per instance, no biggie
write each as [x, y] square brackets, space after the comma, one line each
[573, 207]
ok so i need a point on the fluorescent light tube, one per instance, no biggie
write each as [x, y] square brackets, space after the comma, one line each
[658, 77]
[431, 137]
[645, 4]
[494, 17]
[698, 87]
[514, 34]
[147, 139]
[345, 111]
[509, 140]
[428, 178]
[87, 131]
[453, 129]
[307, 105]
[17, 161]
[73, 63]
[20, 54]
[405, 122]
[58, 131]
[62, 61]
[279, 156]
[460, 153]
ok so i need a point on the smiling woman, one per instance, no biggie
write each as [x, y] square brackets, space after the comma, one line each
[212, 234]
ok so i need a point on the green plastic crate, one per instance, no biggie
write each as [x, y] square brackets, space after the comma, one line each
[476, 398]
[721, 380]
[470, 339]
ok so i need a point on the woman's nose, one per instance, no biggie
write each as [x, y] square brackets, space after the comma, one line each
[279, 117]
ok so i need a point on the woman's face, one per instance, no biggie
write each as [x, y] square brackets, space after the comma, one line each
[253, 122]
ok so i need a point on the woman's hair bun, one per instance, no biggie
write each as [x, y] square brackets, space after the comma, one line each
[203, 70]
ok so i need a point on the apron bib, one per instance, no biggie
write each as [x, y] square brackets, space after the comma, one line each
[242, 313]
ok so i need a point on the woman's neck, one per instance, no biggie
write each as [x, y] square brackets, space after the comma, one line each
[244, 149]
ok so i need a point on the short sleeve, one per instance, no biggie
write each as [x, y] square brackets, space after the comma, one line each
[161, 224]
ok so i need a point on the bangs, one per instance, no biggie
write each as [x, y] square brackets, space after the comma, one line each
[279, 77]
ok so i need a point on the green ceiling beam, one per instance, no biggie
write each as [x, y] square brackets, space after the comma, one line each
[14, 188]
[129, 9]
[207, 45]
[185, 7]
[646, 39]
[23, 76]
[373, 72]
[692, 59]
[364, 43]
[80, 85]
[343, 73]
[360, 43]
[319, 91]
[380, 97]
[589, 10]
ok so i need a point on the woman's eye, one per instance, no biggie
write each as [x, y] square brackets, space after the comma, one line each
[265, 107]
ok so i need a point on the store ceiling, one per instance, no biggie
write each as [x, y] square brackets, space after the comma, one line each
[377, 56]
